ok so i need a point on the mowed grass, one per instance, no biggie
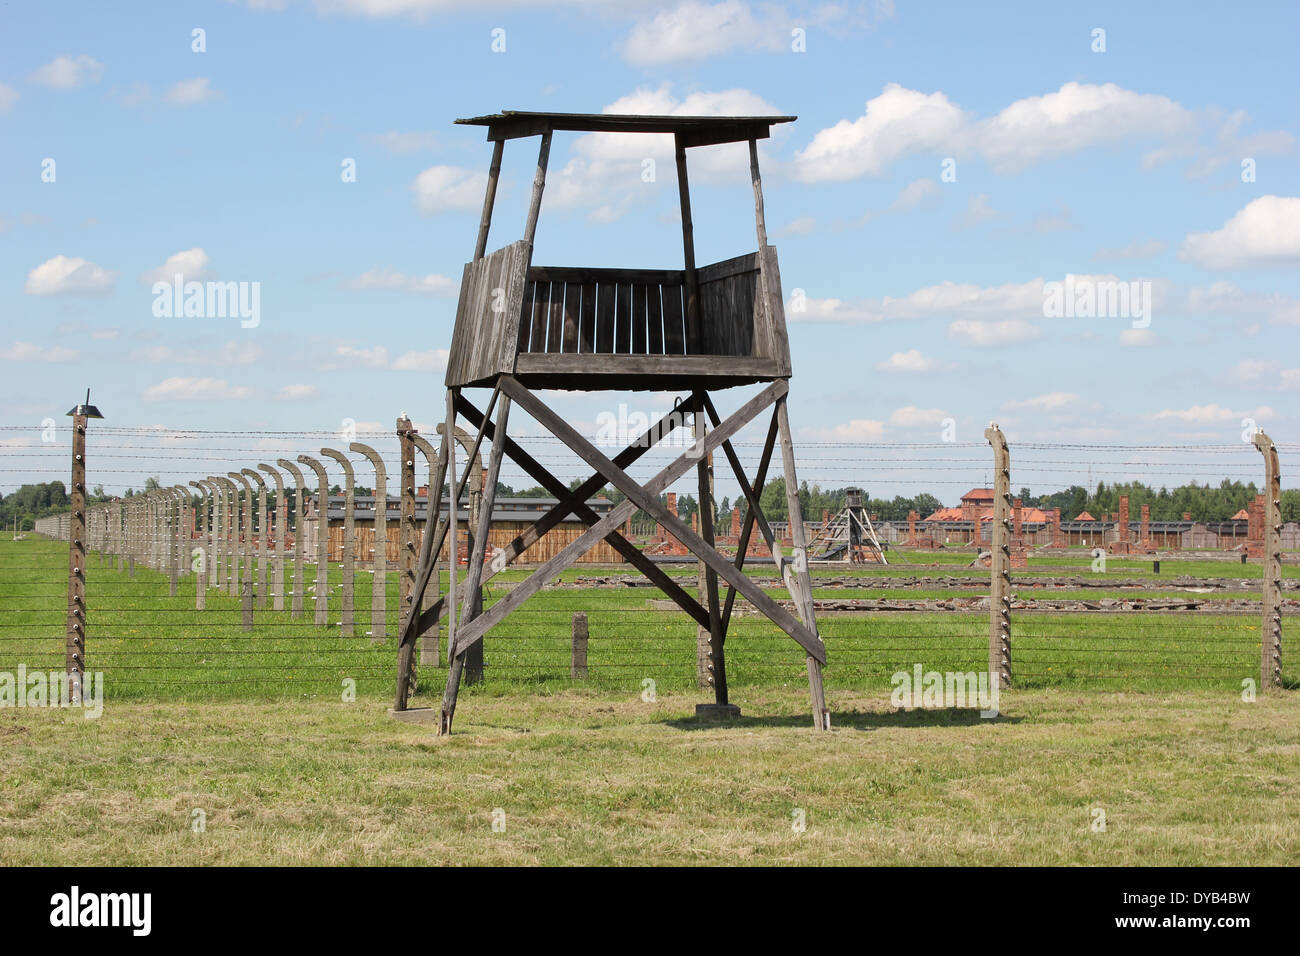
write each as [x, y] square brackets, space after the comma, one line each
[594, 777]
[1141, 717]
[150, 646]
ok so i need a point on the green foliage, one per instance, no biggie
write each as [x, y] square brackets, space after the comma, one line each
[33, 501]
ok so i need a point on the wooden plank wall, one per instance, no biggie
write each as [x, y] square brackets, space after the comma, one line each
[642, 312]
[483, 342]
[602, 311]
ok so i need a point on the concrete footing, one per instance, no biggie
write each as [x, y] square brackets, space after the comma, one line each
[417, 715]
[717, 711]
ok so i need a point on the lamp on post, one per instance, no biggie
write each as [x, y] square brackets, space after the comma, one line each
[75, 654]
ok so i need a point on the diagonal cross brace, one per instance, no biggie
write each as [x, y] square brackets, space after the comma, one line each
[431, 542]
[646, 498]
[751, 515]
[569, 501]
[575, 502]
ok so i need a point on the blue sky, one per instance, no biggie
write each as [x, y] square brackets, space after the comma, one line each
[912, 298]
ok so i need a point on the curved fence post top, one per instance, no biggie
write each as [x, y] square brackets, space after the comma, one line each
[236, 476]
[431, 453]
[290, 467]
[255, 476]
[343, 460]
[315, 466]
[275, 476]
[375, 458]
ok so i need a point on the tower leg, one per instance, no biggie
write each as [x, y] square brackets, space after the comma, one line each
[799, 582]
[473, 605]
[717, 656]
[406, 662]
[455, 662]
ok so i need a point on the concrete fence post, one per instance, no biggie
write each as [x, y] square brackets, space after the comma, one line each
[263, 539]
[322, 540]
[210, 512]
[280, 530]
[202, 551]
[167, 538]
[348, 594]
[1270, 667]
[1000, 562]
[299, 542]
[185, 524]
[226, 553]
[379, 593]
[75, 645]
[246, 536]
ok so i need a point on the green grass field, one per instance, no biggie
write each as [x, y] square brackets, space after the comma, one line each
[150, 646]
[596, 777]
[1139, 716]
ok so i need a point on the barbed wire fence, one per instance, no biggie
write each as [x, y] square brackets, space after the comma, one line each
[232, 578]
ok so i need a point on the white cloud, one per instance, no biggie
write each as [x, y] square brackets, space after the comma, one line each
[188, 92]
[978, 210]
[1050, 402]
[393, 281]
[1138, 338]
[27, 352]
[1075, 117]
[694, 30]
[8, 96]
[68, 275]
[897, 123]
[195, 390]
[296, 393]
[902, 122]
[916, 192]
[858, 429]
[910, 361]
[1263, 374]
[228, 354]
[440, 188]
[1266, 233]
[909, 416]
[376, 357]
[1228, 298]
[69, 72]
[983, 332]
[1211, 413]
[606, 172]
[1134, 250]
[800, 226]
[434, 360]
[1062, 220]
[190, 264]
[946, 298]
[414, 9]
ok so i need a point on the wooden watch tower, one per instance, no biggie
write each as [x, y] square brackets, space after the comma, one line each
[521, 328]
